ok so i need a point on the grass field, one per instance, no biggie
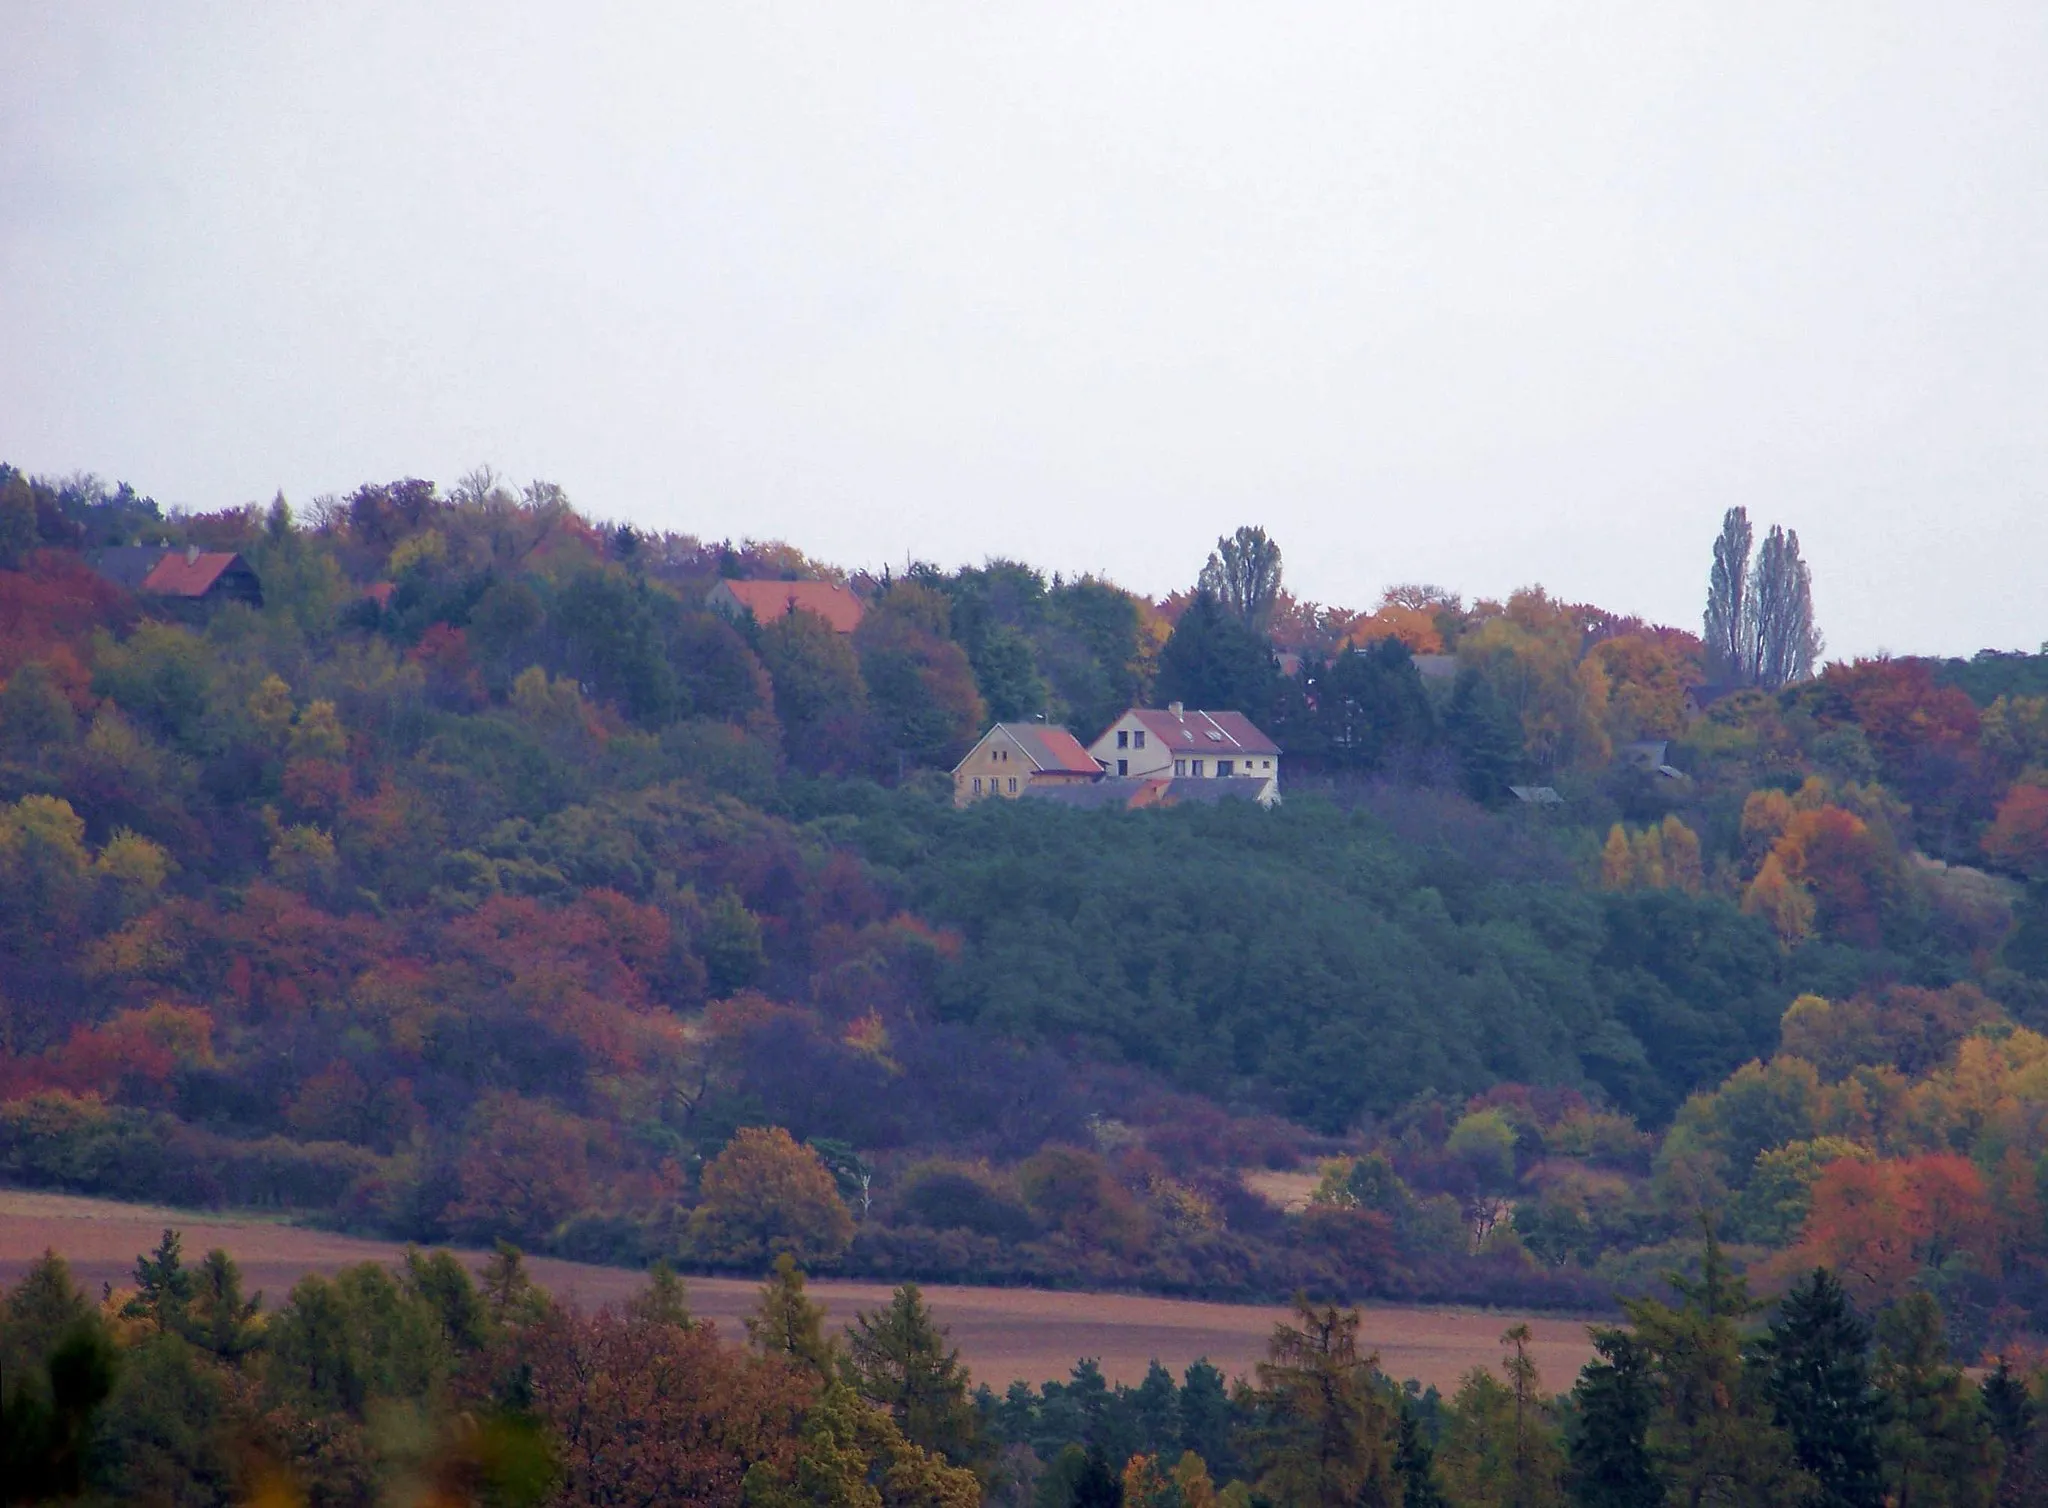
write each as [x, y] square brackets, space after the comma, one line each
[1003, 1333]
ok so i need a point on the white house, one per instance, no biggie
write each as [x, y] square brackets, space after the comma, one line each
[1185, 744]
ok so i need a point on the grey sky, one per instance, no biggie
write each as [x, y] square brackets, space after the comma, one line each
[1483, 295]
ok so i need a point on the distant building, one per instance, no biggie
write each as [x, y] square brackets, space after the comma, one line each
[1536, 795]
[1190, 745]
[769, 600]
[190, 574]
[1436, 667]
[1015, 759]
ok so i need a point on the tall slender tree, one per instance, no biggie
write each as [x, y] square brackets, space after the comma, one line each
[1613, 1403]
[1783, 642]
[1327, 1434]
[1727, 588]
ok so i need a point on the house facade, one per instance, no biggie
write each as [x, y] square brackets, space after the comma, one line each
[769, 600]
[1182, 743]
[1011, 758]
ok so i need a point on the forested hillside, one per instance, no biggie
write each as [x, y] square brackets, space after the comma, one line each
[483, 883]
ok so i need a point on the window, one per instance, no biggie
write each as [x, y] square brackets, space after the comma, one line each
[1225, 767]
[977, 785]
[1198, 767]
[1180, 767]
[1123, 738]
[1266, 764]
[1138, 739]
[1013, 785]
[1123, 767]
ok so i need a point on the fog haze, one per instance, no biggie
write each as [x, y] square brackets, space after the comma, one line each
[1479, 295]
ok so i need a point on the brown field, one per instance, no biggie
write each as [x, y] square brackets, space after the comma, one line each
[1003, 1333]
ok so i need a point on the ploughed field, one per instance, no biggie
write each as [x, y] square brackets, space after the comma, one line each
[1002, 1333]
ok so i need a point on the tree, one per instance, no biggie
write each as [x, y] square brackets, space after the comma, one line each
[1783, 641]
[1615, 1399]
[1325, 1437]
[786, 1323]
[1727, 616]
[1243, 573]
[820, 698]
[1500, 1449]
[163, 1288]
[898, 1359]
[1712, 1434]
[34, 713]
[1817, 1376]
[921, 690]
[1938, 1448]
[1213, 660]
[765, 1195]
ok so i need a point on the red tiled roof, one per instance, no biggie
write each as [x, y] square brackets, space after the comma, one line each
[180, 574]
[1052, 750]
[1205, 732]
[771, 599]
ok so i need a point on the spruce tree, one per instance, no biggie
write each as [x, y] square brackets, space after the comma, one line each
[1610, 1464]
[1816, 1370]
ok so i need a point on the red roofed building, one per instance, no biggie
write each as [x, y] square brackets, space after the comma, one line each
[1188, 744]
[193, 574]
[768, 600]
[1011, 758]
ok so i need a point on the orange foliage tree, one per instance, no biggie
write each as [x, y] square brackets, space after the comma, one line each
[765, 1195]
[1880, 1224]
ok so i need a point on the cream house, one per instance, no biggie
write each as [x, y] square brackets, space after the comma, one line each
[1012, 757]
[1190, 744]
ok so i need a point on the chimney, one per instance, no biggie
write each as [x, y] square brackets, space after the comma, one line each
[1174, 708]
[191, 555]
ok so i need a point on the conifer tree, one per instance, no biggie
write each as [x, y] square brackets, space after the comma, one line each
[1326, 1432]
[1712, 1435]
[163, 1287]
[786, 1323]
[1615, 1399]
[899, 1360]
[1816, 1372]
[1938, 1448]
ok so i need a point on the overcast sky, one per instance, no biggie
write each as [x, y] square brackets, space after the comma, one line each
[1478, 295]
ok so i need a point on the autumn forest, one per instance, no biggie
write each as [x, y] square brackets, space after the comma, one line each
[477, 883]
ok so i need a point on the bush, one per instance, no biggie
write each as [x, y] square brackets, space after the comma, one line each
[945, 1196]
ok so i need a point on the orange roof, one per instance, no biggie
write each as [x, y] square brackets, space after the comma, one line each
[187, 573]
[771, 599]
[1195, 732]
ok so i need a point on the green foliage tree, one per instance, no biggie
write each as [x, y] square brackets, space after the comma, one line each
[1243, 573]
[1214, 661]
[1937, 1443]
[1816, 1373]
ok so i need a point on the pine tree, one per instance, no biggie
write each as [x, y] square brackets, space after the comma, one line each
[1415, 1463]
[2015, 1421]
[219, 1319]
[1205, 1418]
[163, 1288]
[1816, 1370]
[663, 1301]
[1615, 1400]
